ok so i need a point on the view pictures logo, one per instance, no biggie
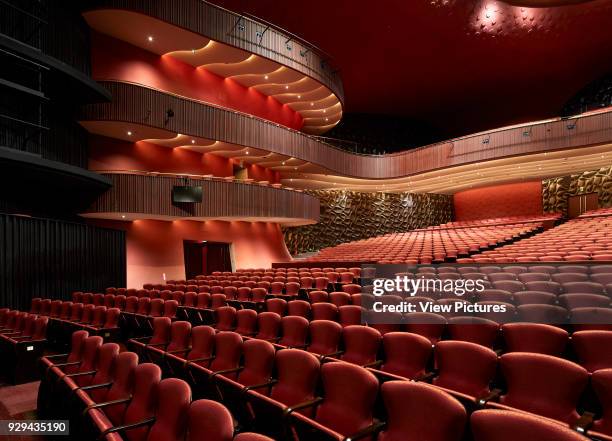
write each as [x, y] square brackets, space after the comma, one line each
[415, 286]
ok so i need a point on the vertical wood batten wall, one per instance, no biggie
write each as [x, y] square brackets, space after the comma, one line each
[52, 258]
[131, 102]
[134, 193]
[236, 30]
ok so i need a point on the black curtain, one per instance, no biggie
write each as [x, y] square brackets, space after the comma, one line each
[52, 258]
[218, 257]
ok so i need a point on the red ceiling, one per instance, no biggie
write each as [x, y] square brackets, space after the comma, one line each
[461, 65]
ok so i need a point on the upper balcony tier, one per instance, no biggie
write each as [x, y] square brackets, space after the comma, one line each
[245, 49]
[529, 151]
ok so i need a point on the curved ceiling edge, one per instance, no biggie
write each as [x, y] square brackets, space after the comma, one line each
[240, 31]
[141, 105]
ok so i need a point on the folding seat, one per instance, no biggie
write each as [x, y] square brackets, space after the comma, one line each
[268, 326]
[120, 301]
[109, 300]
[426, 324]
[361, 345]
[56, 305]
[324, 337]
[346, 407]
[297, 374]
[538, 313]
[602, 278]
[465, 368]
[279, 306]
[601, 269]
[583, 287]
[569, 277]
[258, 295]
[225, 318]
[583, 319]
[535, 337]
[22, 350]
[509, 285]
[601, 381]
[346, 277]
[299, 307]
[77, 297]
[202, 346]
[87, 298]
[339, 298]
[98, 299]
[264, 284]
[405, 355]
[178, 297]
[592, 349]
[500, 277]
[178, 343]
[474, 330]
[324, 311]
[534, 298]
[160, 337]
[45, 307]
[246, 322]
[277, 288]
[306, 282]
[351, 288]
[204, 288]
[320, 283]
[542, 384]
[292, 289]
[551, 287]
[409, 407]
[356, 271]
[582, 300]
[228, 349]
[461, 269]
[203, 300]
[230, 292]
[488, 269]
[216, 289]
[294, 330]
[350, 315]
[384, 322]
[35, 305]
[217, 301]
[318, 296]
[500, 425]
[505, 315]
[495, 295]
[533, 277]
[583, 269]
[258, 361]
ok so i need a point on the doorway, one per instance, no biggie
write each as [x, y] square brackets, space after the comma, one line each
[576, 205]
[203, 257]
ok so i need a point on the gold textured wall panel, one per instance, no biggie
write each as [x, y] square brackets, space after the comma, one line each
[349, 215]
[555, 191]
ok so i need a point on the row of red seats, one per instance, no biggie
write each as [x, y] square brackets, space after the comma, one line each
[425, 246]
[498, 221]
[580, 239]
[300, 392]
[108, 395]
[514, 268]
[23, 337]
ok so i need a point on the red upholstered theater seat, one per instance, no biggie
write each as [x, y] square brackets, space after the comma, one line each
[499, 425]
[535, 337]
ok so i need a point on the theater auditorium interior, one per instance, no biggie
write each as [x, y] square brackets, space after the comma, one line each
[306, 221]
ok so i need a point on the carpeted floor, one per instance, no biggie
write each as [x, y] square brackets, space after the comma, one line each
[18, 403]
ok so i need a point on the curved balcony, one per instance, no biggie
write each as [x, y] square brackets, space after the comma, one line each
[143, 110]
[252, 52]
[149, 196]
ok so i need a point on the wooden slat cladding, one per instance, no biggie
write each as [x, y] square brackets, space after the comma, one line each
[243, 32]
[152, 195]
[142, 105]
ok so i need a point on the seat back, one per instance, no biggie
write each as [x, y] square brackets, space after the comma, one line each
[226, 318]
[543, 384]
[104, 363]
[122, 385]
[228, 348]
[246, 321]
[593, 349]
[535, 337]
[324, 337]
[180, 336]
[350, 392]
[409, 407]
[202, 343]
[279, 306]
[258, 356]
[210, 421]
[465, 367]
[299, 307]
[294, 331]
[171, 412]
[361, 344]
[297, 373]
[268, 325]
[406, 354]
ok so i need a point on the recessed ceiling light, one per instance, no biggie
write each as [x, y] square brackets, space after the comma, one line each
[324, 110]
[299, 97]
[266, 77]
[150, 38]
[247, 152]
[283, 163]
[312, 104]
[193, 141]
[287, 87]
[123, 216]
[326, 119]
[129, 133]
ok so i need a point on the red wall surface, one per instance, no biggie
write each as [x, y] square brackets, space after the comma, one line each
[155, 247]
[260, 173]
[113, 154]
[113, 59]
[519, 199]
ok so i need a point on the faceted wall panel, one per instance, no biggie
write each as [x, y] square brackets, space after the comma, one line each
[349, 215]
[555, 191]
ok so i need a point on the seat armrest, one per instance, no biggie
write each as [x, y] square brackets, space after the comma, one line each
[584, 422]
[259, 386]
[106, 403]
[312, 403]
[178, 351]
[374, 363]
[197, 360]
[493, 395]
[427, 376]
[124, 427]
[225, 371]
[93, 386]
[78, 374]
[372, 429]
